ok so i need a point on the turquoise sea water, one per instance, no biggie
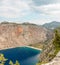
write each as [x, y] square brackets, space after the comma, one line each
[25, 55]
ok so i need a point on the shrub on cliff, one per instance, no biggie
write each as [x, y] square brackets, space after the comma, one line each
[56, 40]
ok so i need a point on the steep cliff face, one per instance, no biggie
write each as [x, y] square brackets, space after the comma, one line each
[13, 35]
[51, 49]
[55, 61]
[47, 53]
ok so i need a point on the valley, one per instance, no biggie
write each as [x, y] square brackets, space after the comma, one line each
[14, 35]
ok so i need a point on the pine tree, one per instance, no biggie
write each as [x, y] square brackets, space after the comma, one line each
[2, 59]
[16, 63]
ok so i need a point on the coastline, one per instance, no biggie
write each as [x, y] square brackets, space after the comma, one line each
[22, 46]
[34, 48]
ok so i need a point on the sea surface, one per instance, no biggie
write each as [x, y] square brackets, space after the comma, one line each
[24, 55]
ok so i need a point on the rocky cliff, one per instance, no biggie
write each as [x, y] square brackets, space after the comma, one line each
[55, 61]
[13, 35]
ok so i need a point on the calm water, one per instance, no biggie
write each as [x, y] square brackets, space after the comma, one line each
[25, 55]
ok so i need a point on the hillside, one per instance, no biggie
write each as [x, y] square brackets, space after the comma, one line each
[52, 25]
[55, 61]
[13, 35]
[56, 54]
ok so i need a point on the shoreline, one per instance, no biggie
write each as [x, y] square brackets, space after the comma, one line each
[33, 48]
[22, 46]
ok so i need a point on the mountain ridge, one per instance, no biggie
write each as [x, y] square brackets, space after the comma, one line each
[52, 25]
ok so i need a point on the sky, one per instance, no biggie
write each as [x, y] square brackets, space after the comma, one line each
[33, 11]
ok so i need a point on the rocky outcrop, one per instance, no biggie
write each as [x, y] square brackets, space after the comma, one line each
[48, 50]
[51, 50]
[13, 35]
[55, 61]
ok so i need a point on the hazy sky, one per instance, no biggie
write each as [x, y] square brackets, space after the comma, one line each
[35, 11]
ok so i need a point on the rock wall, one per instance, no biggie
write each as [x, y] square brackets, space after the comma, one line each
[13, 35]
[55, 61]
[47, 53]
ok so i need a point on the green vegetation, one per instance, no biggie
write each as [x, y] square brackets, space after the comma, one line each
[3, 61]
[56, 42]
[11, 63]
[41, 63]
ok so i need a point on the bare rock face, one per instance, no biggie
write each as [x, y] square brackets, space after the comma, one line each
[13, 35]
[55, 61]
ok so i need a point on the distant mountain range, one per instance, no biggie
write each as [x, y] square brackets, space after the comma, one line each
[52, 25]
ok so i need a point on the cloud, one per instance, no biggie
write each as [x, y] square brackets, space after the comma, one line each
[13, 8]
[44, 2]
[51, 9]
[36, 11]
